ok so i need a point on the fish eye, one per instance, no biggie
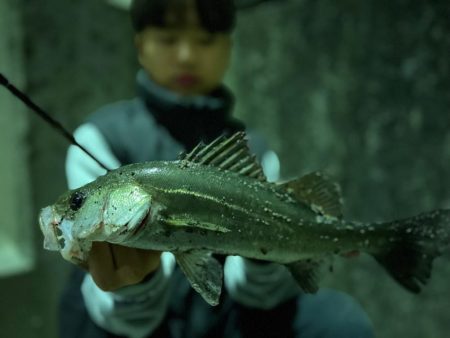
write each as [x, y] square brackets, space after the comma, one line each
[76, 200]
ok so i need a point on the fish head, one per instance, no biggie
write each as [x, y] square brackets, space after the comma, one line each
[103, 210]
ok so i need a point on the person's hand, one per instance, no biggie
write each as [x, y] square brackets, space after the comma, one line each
[114, 266]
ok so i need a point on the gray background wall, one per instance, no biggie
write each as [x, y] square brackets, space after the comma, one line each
[15, 208]
[360, 89]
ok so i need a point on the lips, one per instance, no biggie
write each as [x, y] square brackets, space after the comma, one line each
[187, 80]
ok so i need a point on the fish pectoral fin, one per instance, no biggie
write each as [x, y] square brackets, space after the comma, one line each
[317, 191]
[204, 273]
[305, 272]
[189, 223]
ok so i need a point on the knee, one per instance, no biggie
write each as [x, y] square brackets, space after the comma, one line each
[346, 318]
[353, 324]
[335, 314]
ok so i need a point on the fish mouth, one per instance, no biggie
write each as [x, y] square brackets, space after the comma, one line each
[58, 236]
[49, 223]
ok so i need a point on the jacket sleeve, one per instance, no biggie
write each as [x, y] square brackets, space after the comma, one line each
[133, 311]
[255, 284]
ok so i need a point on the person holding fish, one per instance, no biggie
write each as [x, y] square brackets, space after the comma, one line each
[184, 49]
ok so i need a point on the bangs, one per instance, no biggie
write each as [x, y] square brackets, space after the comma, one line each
[215, 16]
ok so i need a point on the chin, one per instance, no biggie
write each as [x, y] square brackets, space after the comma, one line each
[189, 91]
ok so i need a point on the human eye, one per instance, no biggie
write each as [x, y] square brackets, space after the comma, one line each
[167, 38]
[206, 39]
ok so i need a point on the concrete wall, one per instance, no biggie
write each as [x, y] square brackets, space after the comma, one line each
[16, 254]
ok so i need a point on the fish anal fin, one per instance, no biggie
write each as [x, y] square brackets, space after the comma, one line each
[305, 272]
[226, 153]
[317, 191]
[204, 273]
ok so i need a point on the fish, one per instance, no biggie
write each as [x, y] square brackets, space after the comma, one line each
[216, 201]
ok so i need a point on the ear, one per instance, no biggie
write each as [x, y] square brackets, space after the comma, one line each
[139, 47]
[138, 42]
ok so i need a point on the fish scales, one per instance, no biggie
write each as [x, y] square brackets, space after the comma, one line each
[224, 200]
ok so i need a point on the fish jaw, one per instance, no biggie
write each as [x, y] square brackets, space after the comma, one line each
[48, 222]
[58, 236]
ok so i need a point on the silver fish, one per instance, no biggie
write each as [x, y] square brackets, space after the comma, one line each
[216, 201]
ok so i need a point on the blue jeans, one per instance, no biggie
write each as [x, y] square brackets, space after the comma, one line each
[327, 314]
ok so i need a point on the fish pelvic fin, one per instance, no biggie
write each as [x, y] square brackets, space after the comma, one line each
[226, 153]
[419, 240]
[204, 273]
[305, 272]
[317, 191]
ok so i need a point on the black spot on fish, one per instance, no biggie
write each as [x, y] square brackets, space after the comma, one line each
[189, 230]
[133, 173]
[61, 242]
[264, 251]
[58, 231]
[76, 200]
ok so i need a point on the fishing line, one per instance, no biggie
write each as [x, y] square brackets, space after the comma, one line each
[55, 124]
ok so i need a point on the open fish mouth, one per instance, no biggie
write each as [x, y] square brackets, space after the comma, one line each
[49, 223]
[58, 236]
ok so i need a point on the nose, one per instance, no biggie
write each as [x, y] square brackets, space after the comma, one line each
[186, 52]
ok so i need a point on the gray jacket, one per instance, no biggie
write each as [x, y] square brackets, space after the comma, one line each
[129, 131]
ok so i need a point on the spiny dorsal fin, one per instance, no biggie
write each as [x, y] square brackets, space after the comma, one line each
[319, 192]
[226, 153]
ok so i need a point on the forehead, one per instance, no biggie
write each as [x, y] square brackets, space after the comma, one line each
[184, 17]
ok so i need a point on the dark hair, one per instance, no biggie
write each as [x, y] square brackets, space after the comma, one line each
[214, 15]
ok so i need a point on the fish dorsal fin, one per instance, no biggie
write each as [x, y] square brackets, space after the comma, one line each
[317, 191]
[226, 153]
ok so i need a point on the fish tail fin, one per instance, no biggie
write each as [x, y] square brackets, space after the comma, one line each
[416, 243]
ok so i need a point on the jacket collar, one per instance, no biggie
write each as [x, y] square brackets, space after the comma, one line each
[189, 119]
